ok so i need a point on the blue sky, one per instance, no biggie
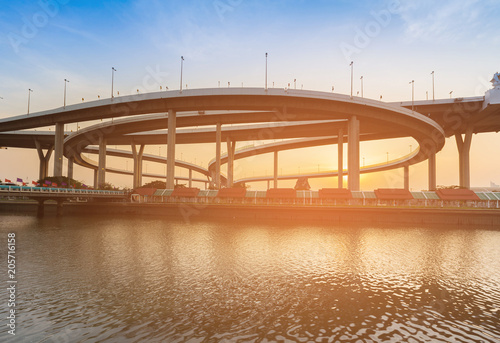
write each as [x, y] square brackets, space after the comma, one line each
[390, 42]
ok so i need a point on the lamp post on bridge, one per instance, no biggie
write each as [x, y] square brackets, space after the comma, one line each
[351, 65]
[361, 78]
[432, 85]
[182, 63]
[65, 82]
[29, 96]
[412, 82]
[266, 73]
[112, 81]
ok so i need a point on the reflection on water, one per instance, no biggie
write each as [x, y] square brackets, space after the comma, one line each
[140, 279]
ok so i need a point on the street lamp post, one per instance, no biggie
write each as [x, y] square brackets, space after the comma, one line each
[412, 82]
[361, 78]
[352, 63]
[432, 85]
[112, 81]
[29, 96]
[182, 62]
[266, 72]
[65, 82]
[451, 92]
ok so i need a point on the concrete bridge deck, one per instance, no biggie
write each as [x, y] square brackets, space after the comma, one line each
[428, 122]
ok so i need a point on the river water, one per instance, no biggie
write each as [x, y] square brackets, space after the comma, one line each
[142, 279]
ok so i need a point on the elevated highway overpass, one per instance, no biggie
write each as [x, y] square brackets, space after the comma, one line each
[203, 116]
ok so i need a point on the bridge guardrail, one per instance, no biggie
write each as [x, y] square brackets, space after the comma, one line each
[28, 189]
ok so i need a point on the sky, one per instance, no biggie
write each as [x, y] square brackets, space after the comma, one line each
[390, 42]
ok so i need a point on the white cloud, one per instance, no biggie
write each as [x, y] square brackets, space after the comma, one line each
[446, 21]
[80, 33]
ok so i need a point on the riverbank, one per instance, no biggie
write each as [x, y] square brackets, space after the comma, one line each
[333, 214]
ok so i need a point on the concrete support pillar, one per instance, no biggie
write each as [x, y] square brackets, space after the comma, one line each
[218, 136]
[211, 180]
[432, 172]
[70, 167]
[172, 127]
[340, 154]
[101, 174]
[58, 149]
[463, 145]
[231, 145]
[191, 178]
[137, 155]
[276, 169]
[406, 177]
[353, 154]
[95, 179]
[268, 184]
[44, 160]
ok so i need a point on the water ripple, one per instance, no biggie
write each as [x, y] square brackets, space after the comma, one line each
[136, 280]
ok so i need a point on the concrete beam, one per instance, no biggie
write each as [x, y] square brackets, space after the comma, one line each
[171, 149]
[406, 170]
[70, 167]
[276, 169]
[96, 185]
[231, 145]
[218, 136]
[137, 155]
[44, 159]
[58, 149]
[340, 162]
[353, 154]
[432, 172]
[463, 146]
[101, 174]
